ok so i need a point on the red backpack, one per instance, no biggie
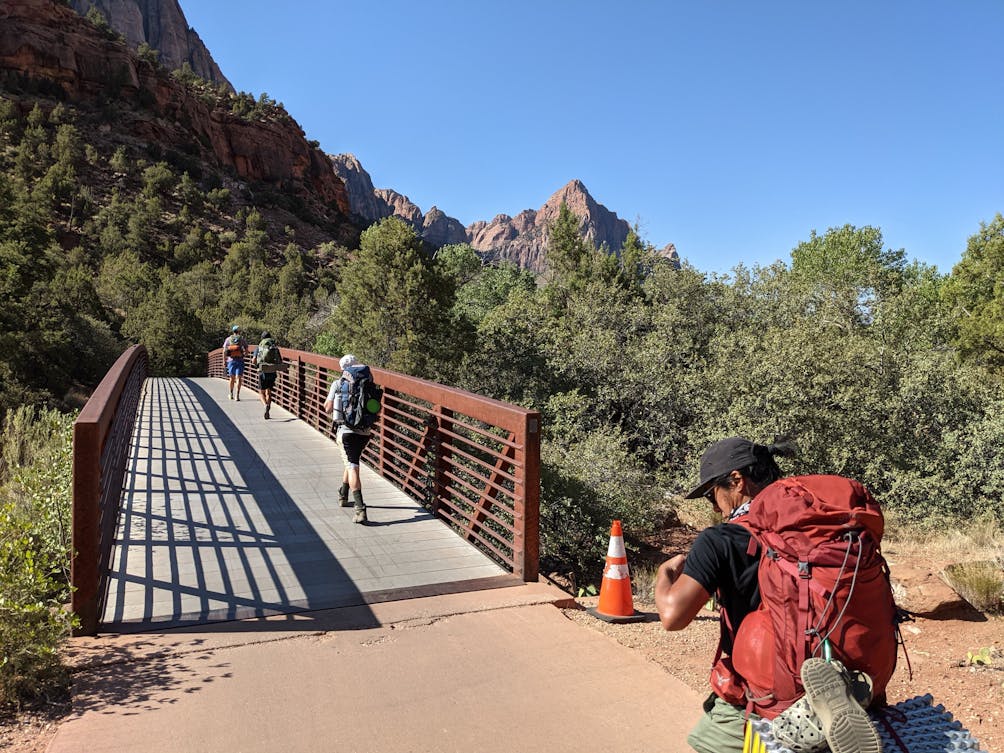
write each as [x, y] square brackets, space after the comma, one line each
[822, 576]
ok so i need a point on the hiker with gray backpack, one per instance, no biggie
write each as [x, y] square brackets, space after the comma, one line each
[268, 359]
[354, 402]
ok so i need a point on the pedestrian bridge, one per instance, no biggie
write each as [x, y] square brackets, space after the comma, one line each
[190, 508]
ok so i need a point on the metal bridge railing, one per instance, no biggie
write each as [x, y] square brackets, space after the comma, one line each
[472, 461]
[101, 437]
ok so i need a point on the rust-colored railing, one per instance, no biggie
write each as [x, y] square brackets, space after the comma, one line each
[101, 436]
[471, 460]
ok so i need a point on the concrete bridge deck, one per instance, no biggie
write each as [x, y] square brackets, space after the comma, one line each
[227, 516]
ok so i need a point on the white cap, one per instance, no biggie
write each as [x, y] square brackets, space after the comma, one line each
[347, 360]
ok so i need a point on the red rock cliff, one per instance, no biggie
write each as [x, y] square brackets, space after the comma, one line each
[47, 41]
[163, 26]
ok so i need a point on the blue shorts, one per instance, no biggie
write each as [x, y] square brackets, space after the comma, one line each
[235, 366]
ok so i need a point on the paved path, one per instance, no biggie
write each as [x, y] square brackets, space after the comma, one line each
[494, 671]
[228, 516]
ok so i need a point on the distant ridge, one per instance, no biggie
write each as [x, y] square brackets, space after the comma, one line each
[162, 25]
[521, 239]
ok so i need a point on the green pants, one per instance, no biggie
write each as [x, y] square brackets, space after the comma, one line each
[721, 728]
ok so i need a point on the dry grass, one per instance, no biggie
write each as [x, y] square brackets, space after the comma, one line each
[971, 560]
[979, 583]
[981, 540]
[643, 582]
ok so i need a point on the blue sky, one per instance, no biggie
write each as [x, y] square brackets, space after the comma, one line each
[729, 128]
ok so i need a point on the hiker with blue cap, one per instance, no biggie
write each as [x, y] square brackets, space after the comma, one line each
[235, 349]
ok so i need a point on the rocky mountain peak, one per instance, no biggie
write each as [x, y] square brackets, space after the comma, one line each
[521, 239]
[162, 25]
[524, 238]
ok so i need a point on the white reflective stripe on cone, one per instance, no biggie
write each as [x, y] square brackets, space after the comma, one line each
[616, 548]
[616, 572]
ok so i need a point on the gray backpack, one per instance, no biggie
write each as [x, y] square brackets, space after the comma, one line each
[268, 358]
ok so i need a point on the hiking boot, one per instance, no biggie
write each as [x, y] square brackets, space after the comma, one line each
[357, 502]
[231, 396]
[266, 412]
[343, 496]
[829, 692]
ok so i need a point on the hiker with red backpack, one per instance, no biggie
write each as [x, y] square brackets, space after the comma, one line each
[808, 633]
[235, 348]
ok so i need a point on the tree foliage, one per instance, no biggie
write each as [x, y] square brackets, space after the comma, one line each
[35, 474]
[392, 305]
[847, 347]
[885, 370]
[976, 294]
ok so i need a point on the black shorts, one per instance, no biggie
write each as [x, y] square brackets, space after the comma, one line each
[266, 380]
[352, 447]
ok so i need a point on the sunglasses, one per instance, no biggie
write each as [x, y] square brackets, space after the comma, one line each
[710, 495]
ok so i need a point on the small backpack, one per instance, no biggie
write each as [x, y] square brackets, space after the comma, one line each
[267, 357]
[235, 347]
[822, 576]
[360, 397]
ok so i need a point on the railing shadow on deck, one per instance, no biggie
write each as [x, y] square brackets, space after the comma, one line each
[228, 540]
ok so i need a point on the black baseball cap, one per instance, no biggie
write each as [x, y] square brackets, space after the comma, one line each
[721, 458]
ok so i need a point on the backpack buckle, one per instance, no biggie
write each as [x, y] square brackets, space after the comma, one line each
[803, 570]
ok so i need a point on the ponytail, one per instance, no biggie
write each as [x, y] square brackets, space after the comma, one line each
[765, 469]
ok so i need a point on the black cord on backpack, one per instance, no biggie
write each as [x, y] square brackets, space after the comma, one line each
[851, 537]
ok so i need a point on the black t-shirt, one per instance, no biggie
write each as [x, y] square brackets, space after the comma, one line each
[718, 560]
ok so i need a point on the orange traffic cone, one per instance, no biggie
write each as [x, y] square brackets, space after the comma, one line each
[616, 603]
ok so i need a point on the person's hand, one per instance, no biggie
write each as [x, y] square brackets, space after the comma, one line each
[671, 568]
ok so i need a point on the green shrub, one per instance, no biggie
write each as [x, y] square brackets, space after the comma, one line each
[34, 552]
[158, 180]
[585, 487]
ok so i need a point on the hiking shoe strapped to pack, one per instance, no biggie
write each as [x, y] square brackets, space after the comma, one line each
[800, 730]
[830, 695]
